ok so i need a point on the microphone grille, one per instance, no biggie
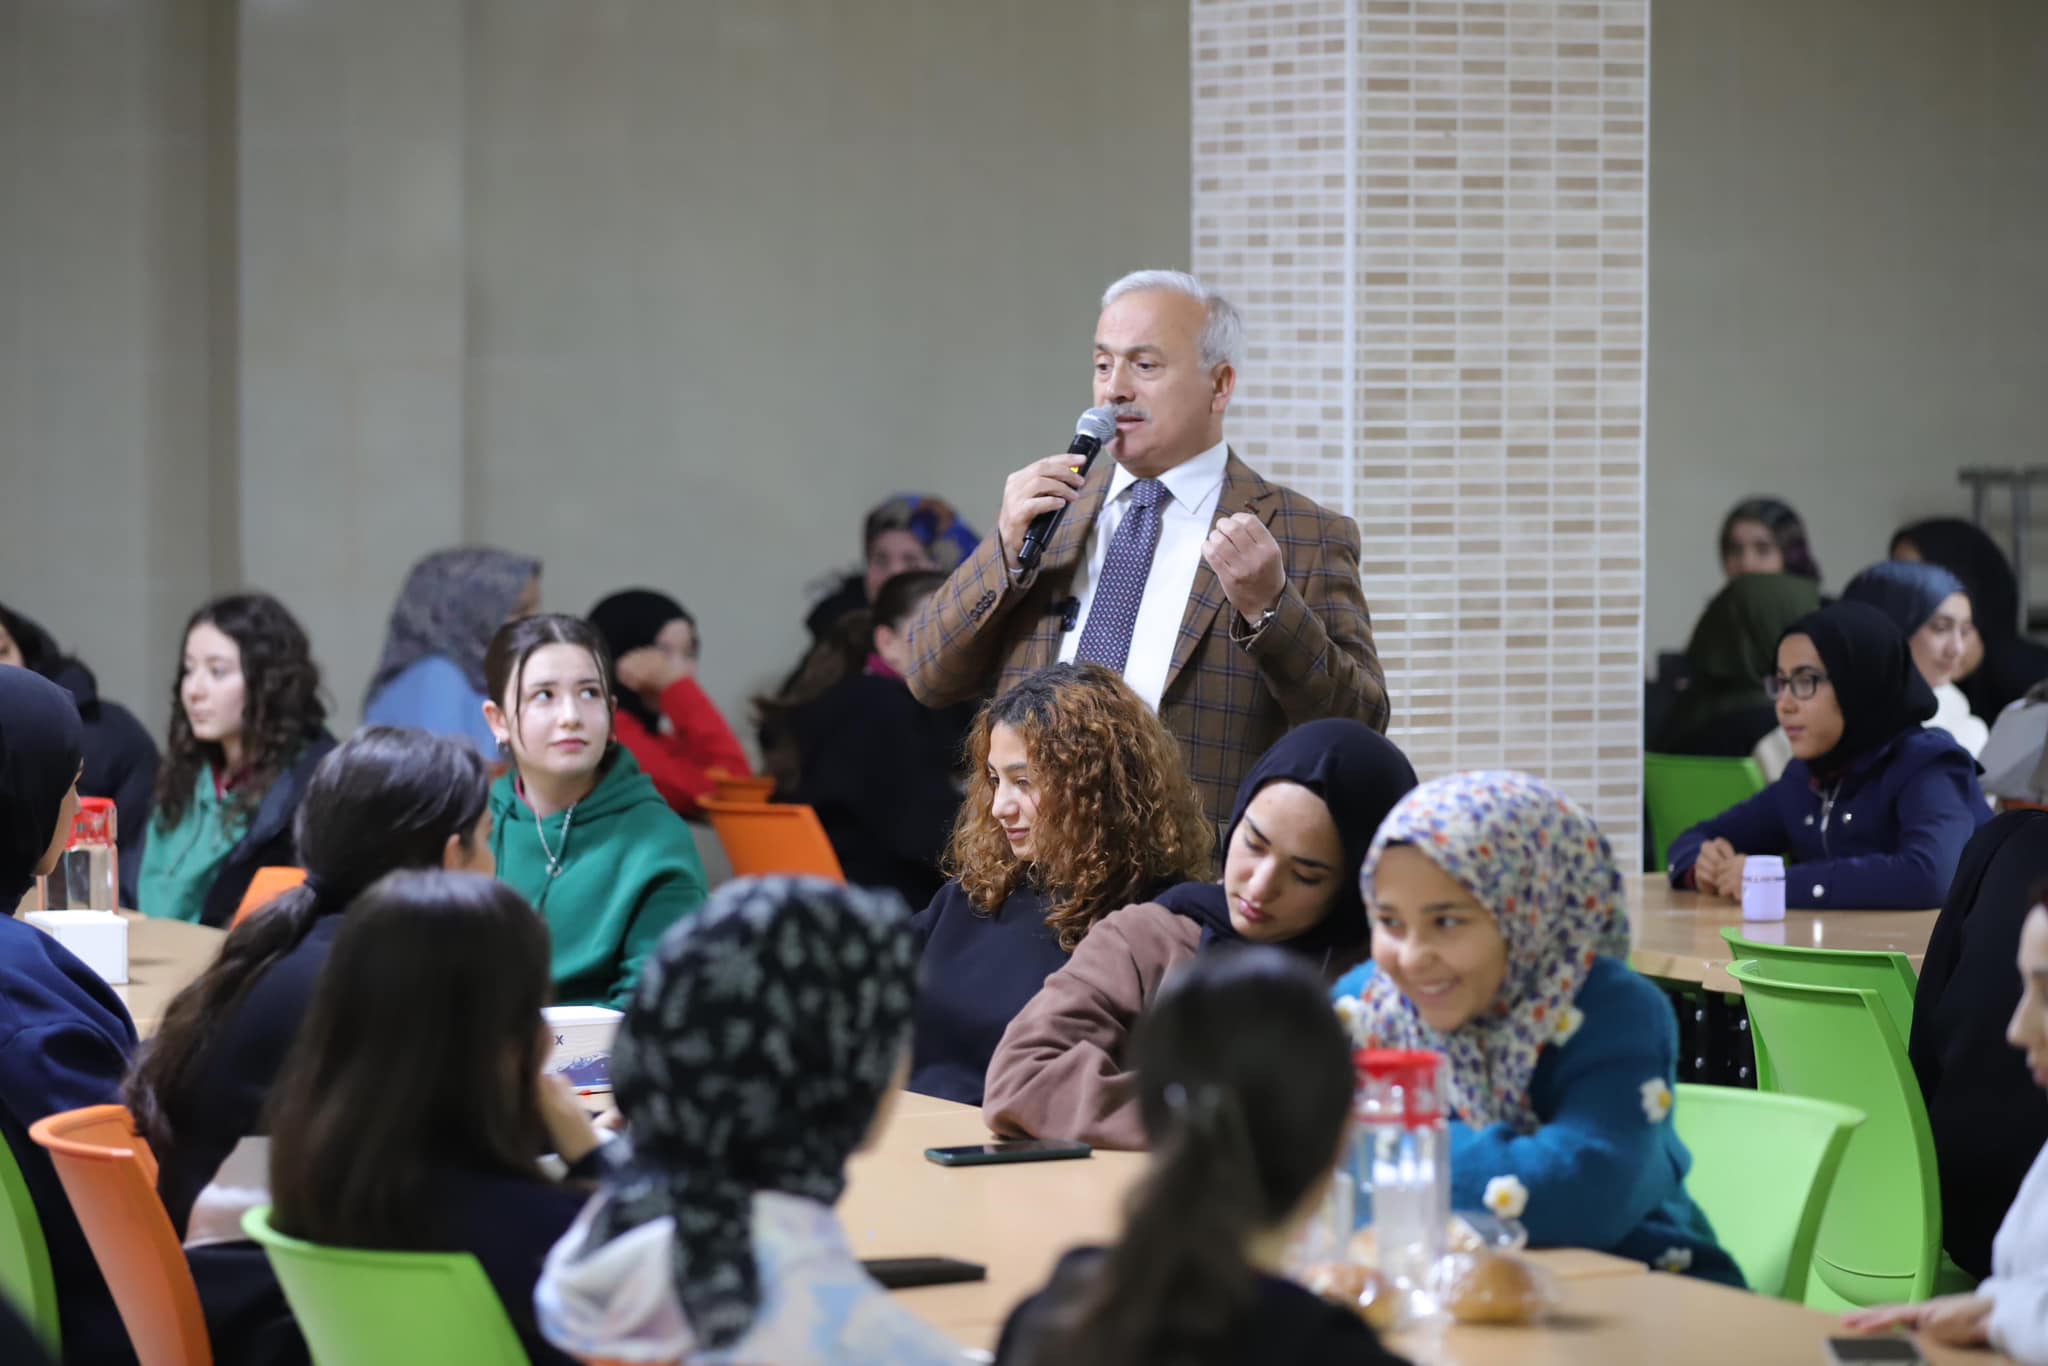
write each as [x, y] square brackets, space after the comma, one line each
[1099, 423]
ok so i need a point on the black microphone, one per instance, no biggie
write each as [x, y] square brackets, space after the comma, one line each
[1091, 430]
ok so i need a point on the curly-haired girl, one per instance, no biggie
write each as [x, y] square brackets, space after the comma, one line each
[1078, 803]
[248, 728]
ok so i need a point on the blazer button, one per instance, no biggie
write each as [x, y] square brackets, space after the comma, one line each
[1819, 890]
[1809, 820]
[1848, 816]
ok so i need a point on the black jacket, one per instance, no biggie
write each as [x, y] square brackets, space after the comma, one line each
[1988, 1117]
[1285, 1324]
[879, 768]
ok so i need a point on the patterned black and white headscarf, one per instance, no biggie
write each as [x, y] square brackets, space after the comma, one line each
[758, 1045]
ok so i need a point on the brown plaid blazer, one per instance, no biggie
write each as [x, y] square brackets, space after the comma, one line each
[1227, 698]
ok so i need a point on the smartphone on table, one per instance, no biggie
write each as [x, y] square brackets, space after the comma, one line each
[903, 1273]
[1892, 1351]
[1008, 1150]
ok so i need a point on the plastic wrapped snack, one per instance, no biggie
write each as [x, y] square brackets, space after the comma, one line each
[1494, 1287]
[1469, 1231]
[1360, 1289]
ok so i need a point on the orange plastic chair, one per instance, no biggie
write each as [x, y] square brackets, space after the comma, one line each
[267, 886]
[110, 1174]
[755, 791]
[763, 838]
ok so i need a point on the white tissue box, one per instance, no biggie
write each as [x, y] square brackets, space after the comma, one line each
[98, 938]
[582, 1052]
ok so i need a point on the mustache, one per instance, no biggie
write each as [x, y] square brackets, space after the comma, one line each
[1129, 410]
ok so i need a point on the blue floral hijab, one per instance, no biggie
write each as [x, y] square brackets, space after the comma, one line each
[1533, 858]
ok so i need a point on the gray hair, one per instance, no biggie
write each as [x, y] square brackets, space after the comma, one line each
[1222, 335]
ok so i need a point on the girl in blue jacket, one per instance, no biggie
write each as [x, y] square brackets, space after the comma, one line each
[1499, 936]
[1873, 812]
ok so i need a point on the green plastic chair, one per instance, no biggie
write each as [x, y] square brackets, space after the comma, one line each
[1880, 1236]
[25, 1276]
[1762, 1167]
[1682, 790]
[392, 1308]
[1890, 975]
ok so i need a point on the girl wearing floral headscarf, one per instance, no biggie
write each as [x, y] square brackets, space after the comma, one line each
[759, 1054]
[1499, 941]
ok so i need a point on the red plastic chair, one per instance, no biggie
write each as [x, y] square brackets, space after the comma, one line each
[763, 838]
[109, 1173]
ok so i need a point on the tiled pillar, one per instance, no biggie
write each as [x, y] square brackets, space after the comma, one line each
[1433, 214]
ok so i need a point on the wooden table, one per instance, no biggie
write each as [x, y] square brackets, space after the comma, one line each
[1677, 935]
[163, 956]
[1670, 1320]
[1017, 1220]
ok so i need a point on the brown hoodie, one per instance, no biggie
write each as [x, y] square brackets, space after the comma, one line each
[1060, 1071]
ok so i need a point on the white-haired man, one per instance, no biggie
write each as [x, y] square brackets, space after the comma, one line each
[1231, 604]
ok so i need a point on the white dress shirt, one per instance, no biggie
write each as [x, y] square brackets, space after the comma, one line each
[1193, 487]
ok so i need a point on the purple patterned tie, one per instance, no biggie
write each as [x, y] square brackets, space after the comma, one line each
[1106, 639]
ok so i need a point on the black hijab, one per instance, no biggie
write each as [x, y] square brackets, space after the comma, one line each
[40, 739]
[1871, 669]
[1360, 776]
[629, 621]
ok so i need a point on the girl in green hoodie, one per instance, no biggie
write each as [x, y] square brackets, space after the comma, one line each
[577, 828]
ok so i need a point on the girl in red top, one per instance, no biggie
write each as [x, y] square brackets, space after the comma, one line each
[664, 717]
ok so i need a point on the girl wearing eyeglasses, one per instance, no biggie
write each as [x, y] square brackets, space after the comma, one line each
[1873, 811]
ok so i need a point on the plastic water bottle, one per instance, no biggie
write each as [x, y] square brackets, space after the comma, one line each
[87, 878]
[1400, 1167]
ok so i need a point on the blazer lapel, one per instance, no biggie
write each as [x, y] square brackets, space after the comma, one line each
[1063, 560]
[1243, 491]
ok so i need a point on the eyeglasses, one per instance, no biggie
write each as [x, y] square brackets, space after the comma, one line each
[1802, 685]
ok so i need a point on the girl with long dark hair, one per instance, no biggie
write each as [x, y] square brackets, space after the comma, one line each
[1243, 1080]
[411, 1112]
[248, 728]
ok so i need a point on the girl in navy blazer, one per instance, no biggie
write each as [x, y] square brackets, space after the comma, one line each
[1873, 812]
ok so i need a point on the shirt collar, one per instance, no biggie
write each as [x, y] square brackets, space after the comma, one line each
[1189, 482]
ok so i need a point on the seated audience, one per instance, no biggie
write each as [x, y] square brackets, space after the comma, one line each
[1988, 1122]
[1500, 939]
[431, 676]
[1874, 811]
[1765, 536]
[64, 1035]
[577, 829]
[880, 768]
[120, 755]
[247, 730]
[761, 1053]
[1999, 663]
[1077, 804]
[1931, 610]
[911, 531]
[2008, 1312]
[1723, 711]
[1243, 1082]
[411, 1111]
[386, 799]
[665, 718]
[1305, 816]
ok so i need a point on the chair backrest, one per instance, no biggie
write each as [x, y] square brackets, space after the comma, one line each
[392, 1308]
[26, 1280]
[268, 885]
[1762, 1167]
[761, 838]
[1890, 975]
[110, 1176]
[1682, 790]
[726, 788]
[1880, 1238]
